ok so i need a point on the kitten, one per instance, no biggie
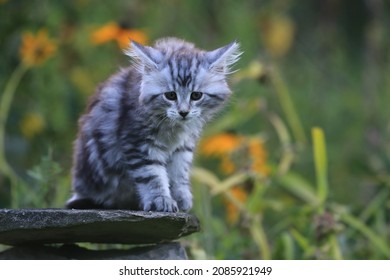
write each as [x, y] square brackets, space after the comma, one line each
[136, 140]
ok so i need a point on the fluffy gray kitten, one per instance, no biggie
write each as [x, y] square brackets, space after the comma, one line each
[136, 140]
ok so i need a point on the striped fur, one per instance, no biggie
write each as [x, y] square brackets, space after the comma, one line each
[135, 145]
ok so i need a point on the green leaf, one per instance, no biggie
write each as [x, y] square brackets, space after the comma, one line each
[299, 187]
[380, 244]
[302, 242]
[255, 200]
[258, 234]
[376, 204]
[288, 246]
[320, 160]
[206, 177]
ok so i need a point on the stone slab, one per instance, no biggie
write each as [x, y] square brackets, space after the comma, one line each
[48, 226]
[165, 251]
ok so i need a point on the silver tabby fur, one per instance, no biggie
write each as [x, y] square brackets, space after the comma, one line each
[135, 146]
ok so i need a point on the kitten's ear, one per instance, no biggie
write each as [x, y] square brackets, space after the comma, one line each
[144, 56]
[221, 60]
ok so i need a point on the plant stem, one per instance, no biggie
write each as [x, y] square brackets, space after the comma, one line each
[5, 105]
[335, 248]
[288, 106]
[260, 238]
[321, 165]
[288, 154]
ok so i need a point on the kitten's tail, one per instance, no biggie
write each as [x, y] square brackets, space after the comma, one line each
[77, 202]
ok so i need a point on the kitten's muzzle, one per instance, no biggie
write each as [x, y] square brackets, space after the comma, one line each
[183, 114]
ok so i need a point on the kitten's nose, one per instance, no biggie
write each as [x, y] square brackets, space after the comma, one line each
[183, 114]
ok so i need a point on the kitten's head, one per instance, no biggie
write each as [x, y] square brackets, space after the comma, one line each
[181, 82]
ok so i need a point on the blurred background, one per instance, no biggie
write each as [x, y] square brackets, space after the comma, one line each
[295, 167]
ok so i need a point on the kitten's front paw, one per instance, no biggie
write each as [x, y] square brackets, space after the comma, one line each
[185, 205]
[184, 199]
[162, 204]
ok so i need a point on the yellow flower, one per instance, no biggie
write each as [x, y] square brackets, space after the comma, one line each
[36, 49]
[278, 34]
[220, 144]
[113, 32]
[32, 124]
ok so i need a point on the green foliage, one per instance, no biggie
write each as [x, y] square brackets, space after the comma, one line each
[47, 188]
[272, 192]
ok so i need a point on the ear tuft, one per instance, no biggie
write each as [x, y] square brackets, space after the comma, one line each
[221, 60]
[144, 56]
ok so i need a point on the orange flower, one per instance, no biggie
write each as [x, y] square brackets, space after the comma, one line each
[237, 152]
[36, 49]
[232, 212]
[227, 165]
[221, 144]
[105, 34]
[113, 32]
[258, 156]
[124, 37]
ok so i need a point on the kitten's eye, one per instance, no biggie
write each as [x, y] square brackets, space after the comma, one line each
[170, 95]
[196, 95]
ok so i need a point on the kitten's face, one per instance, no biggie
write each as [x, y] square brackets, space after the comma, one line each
[182, 83]
[183, 105]
[184, 91]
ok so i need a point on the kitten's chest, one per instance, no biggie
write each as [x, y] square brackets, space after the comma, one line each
[175, 138]
[168, 140]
